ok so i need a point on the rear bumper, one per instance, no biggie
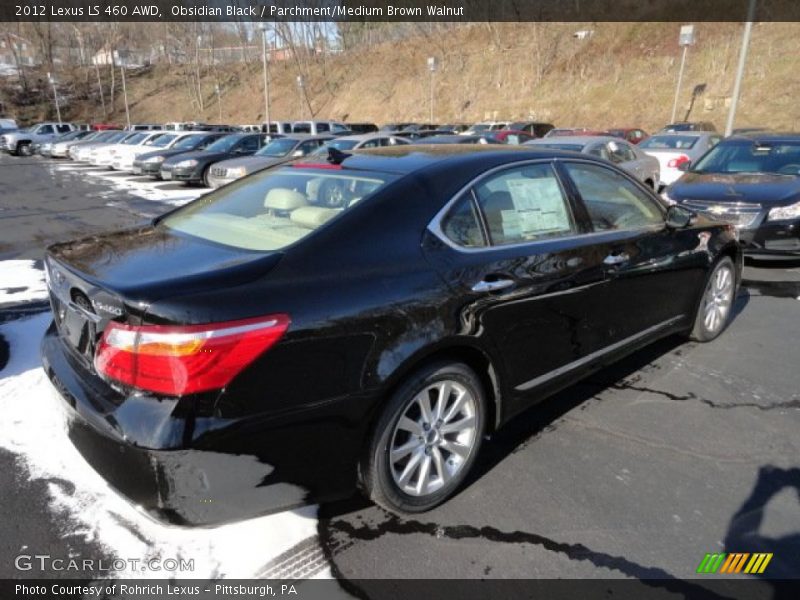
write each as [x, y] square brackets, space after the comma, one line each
[190, 470]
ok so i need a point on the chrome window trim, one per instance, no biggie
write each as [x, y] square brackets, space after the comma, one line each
[435, 225]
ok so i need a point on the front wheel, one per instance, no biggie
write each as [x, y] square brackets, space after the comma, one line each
[24, 149]
[716, 304]
[426, 441]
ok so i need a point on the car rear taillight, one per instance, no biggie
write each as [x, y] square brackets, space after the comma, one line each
[180, 360]
[677, 162]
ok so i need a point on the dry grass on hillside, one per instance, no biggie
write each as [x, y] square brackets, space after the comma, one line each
[624, 74]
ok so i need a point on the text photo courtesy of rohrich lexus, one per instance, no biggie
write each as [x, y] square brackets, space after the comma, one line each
[337, 300]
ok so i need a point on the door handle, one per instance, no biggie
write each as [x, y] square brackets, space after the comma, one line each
[492, 286]
[616, 259]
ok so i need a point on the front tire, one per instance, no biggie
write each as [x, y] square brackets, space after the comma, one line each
[426, 440]
[716, 305]
[24, 149]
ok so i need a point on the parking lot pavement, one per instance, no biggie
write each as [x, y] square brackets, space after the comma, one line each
[45, 201]
[680, 450]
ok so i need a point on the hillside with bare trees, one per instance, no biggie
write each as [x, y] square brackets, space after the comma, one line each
[590, 74]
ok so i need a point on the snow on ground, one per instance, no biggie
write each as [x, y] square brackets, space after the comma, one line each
[33, 426]
[21, 281]
[175, 194]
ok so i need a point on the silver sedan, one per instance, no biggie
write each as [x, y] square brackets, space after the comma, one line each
[626, 156]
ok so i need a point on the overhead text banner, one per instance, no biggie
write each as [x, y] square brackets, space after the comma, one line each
[396, 10]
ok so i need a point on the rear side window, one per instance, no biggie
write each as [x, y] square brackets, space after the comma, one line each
[323, 127]
[613, 202]
[524, 204]
[461, 225]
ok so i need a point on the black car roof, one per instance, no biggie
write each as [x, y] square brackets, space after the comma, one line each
[409, 157]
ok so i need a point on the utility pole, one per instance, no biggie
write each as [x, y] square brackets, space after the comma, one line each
[265, 60]
[55, 95]
[125, 96]
[300, 84]
[685, 39]
[737, 85]
[219, 103]
[100, 87]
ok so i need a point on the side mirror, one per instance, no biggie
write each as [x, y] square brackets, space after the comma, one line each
[684, 166]
[678, 217]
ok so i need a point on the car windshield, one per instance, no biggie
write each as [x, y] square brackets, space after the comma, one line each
[224, 144]
[117, 137]
[751, 157]
[135, 139]
[279, 147]
[189, 142]
[274, 208]
[481, 127]
[162, 141]
[669, 142]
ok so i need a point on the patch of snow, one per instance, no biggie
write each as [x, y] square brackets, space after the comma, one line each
[33, 425]
[20, 282]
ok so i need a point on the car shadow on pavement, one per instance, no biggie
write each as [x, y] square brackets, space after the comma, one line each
[744, 530]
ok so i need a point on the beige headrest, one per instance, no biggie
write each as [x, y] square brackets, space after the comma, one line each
[284, 199]
[313, 216]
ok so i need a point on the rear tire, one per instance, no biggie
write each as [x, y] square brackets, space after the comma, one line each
[716, 305]
[426, 440]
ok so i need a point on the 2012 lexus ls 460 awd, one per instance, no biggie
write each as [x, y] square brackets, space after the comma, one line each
[363, 321]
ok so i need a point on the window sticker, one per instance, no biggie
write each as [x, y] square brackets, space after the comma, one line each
[539, 206]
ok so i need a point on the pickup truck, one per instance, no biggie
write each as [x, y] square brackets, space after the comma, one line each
[21, 142]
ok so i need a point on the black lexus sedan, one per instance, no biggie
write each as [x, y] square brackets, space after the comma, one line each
[194, 167]
[257, 349]
[150, 162]
[752, 181]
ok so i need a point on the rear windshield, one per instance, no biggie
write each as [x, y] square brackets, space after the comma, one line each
[749, 157]
[572, 147]
[274, 208]
[669, 142]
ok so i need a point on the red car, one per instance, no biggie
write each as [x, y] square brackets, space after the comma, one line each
[104, 126]
[630, 134]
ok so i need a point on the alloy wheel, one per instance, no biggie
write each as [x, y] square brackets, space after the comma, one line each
[433, 438]
[718, 299]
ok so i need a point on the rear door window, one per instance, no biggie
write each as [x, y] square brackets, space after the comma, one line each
[524, 204]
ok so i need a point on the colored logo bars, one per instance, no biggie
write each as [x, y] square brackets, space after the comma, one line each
[735, 563]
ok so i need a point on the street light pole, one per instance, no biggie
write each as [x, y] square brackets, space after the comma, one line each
[219, 103]
[125, 96]
[432, 65]
[55, 95]
[685, 39]
[737, 85]
[266, 75]
[300, 85]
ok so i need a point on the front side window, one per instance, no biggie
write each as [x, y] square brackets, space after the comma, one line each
[274, 208]
[45, 130]
[524, 204]
[323, 127]
[613, 202]
[249, 144]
